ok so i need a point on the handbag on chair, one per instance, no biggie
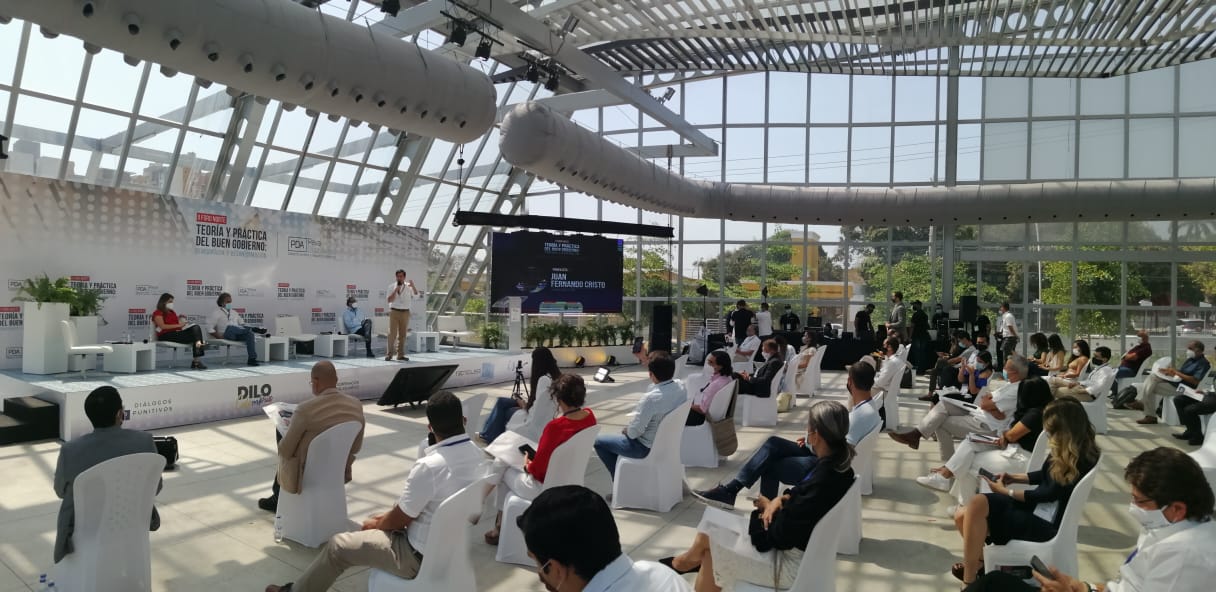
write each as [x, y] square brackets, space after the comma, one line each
[725, 440]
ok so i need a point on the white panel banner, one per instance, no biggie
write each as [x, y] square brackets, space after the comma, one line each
[133, 246]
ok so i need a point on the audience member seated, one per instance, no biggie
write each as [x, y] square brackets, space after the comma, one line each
[949, 421]
[327, 408]
[747, 350]
[570, 393]
[976, 376]
[981, 345]
[108, 440]
[1131, 362]
[170, 328]
[887, 373]
[1189, 412]
[1192, 372]
[544, 372]
[780, 527]
[1038, 360]
[937, 375]
[354, 322]
[662, 398]
[1172, 502]
[760, 384]
[225, 323]
[1057, 356]
[392, 540]
[570, 532]
[1078, 360]
[781, 461]
[719, 384]
[1101, 377]
[1034, 514]
[966, 357]
[1011, 451]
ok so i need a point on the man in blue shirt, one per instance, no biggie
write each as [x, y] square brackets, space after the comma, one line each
[662, 398]
[354, 323]
[1193, 370]
[781, 461]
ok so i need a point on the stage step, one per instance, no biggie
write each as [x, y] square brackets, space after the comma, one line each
[26, 419]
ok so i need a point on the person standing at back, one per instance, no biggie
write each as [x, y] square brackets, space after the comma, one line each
[898, 319]
[740, 319]
[1007, 332]
[400, 294]
[789, 320]
[863, 324]
[764, 322]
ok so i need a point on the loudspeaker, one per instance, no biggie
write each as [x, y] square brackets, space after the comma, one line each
[416, 384]
[968, 308]
[660, 328]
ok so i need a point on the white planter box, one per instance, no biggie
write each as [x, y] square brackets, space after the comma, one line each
[43, 350]
[86, 334]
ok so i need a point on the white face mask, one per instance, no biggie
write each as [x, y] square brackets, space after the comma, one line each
[766, 356]
[1190, 353]
[354, 305]
[980, 366]
[169, 305]
[1076, 352]
[1149, 519]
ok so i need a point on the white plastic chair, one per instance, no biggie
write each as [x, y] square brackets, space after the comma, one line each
[111, 545]
[567, 466]
[761, 411]
[1061, 550]
[172, 346]
[319, 510]
[657, 481]
[452, 326]
[75, 349]
[1096, 409]
[380, 326]
[849, 538]
[890, 397]
[289, 327]
[811, 379]
[446, 565]
[697, 447]
[472, 407]
[817, 572]
[1206, 455]
[227, 345]
[863, 463]
[683, 370]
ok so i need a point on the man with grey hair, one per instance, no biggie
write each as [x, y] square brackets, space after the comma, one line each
[991, 413]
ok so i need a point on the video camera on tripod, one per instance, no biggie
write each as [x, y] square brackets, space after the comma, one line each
[520, 389]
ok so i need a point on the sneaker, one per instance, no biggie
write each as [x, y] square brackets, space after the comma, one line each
[721, 496]
[252, 362]
[270, 504]
[935, 481]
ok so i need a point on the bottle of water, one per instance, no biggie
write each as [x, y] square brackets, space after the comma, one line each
[42, 585]
[278, 527]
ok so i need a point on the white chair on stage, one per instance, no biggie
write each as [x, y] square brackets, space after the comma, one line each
[863, 463]
[817, 572]
[697, 448]
[227, 345]
[82, 350]
[289, 327]
[113, 507]
[319, 510]
[567, 466]
[657, 481]
[811, 379]
[452, 326]
[446, 565]
[1206, 455]
[1061, 550]
[172, 346]
[761, 411]
[380, 326]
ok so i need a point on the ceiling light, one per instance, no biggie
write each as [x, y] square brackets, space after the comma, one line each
[553, 80]
[533, 74]
[390, 6]
[459, 34]
[484, 48]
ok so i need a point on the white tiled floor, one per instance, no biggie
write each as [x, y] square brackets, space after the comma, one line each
[213, 537]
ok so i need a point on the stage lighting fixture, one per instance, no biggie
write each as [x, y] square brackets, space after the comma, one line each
[390, 6]
[602, 375]
[580, 361]
[703, 290]
[3, 154]
[533, 74]
[484, 48]
[459, 34]
[553, 80]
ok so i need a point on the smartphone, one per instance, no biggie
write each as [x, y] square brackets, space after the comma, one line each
[1040, 567]
[527, 450]
[985, 473]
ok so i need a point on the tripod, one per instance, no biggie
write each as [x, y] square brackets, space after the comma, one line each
[520, 389]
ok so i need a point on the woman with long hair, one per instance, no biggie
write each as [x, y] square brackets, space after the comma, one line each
[977, 378]
[544, 372]
[1078, 360]
[1056, 354]
[723, 376]
[767, 548]
[1033, 514]
[171, 327]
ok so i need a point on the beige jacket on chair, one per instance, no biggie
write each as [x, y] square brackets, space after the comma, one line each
[326, 410]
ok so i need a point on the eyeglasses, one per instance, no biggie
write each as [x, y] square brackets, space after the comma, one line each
[544, 567]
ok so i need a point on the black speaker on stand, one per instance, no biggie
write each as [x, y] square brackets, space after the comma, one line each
[968, 309]
[660, 328]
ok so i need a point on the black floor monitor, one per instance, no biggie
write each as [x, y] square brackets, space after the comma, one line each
[415, 385]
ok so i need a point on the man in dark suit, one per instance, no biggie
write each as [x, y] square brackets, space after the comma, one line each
[760, 384]
[108, 440]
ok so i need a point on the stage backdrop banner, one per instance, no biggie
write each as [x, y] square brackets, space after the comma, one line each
[133, 246]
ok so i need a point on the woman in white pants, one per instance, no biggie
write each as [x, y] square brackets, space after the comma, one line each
[960, 474]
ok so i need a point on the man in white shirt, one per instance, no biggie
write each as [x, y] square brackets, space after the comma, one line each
[891, 370]
[400, 294]
[225, 323]
[393, 541]
[1007, 332]
[1099, 381]
[764, 322]
[747, 350]
[571, 534]
[1173, 504]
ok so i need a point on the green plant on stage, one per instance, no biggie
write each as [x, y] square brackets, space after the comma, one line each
[87, 303]
[491, 335]
[42, 289]
[565, 334]
[624, 333]
[583, 335]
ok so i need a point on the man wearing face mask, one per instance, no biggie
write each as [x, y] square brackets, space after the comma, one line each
[781, 461]
[760, 383]
[225, 323]
[355, 323]
[1193, 370]
[571, 534]
[898, 319]
[789, 320]
[968, 366]
[1101, 377]
[1173, 503]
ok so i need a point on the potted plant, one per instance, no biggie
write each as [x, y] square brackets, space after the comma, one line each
[565, 334]
[534, 335]
[45, 304]
[491, 335]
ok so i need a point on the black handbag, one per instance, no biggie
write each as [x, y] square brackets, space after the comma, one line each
[166, 446]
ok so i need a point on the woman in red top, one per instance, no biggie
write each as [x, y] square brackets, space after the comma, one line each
[170, 328]
[570, 392]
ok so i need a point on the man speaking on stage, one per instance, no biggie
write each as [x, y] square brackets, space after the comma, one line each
[400, 294]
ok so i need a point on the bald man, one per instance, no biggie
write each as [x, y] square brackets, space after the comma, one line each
[328, 408]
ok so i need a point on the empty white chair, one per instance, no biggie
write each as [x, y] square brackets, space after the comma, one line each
[110, 541]
[849, 538]
[446, 565]
[863, 463]
[82, 350]
[172, 346]
[1061, 550]
[890, 397]
[380, 326]
[657, 481]
[319, 510]
[697, 447]
[1206, 455]
[452, 326]
[761, 411]
[567, 466]
[817, 572]
[289, 327]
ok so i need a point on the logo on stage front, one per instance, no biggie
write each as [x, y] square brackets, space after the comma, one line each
[144, 408]
[84, 282]
[250, 292]
[284, 291]
[138, 317]
[201, 289]
[10, 317]
[254, 395]
[146, 289]
[12, 353]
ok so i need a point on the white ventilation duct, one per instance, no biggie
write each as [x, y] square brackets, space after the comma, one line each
[285, 51]
[550, 145]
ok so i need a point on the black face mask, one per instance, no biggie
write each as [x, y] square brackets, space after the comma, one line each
[981, 346]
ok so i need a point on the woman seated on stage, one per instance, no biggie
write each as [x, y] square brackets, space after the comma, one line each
[570, 392]
[1034, 514]
[171, 328]
[544, 372]
[723, 377]
[963, 467]
[779, 529]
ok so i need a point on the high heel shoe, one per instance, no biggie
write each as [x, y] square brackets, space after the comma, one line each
[668, 561]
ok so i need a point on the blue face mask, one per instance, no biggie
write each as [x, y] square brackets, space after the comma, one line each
[980, 366]
[227, 306]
